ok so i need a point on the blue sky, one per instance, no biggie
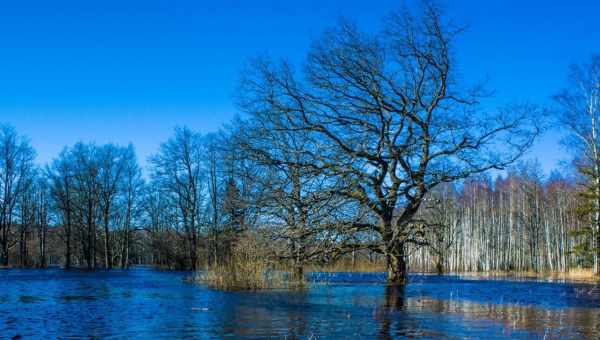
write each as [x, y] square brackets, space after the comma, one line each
[130, 71]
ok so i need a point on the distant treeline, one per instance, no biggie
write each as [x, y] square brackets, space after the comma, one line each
[63, 213]
[374, 148]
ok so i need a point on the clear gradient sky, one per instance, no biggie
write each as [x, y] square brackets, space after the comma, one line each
[130, 71]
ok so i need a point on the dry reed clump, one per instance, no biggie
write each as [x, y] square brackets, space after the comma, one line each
[579, 274]
[247, 268]
[573, 274]
[346, 265]
[243, 274]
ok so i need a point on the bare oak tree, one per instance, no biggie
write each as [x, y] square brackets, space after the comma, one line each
[391, 119]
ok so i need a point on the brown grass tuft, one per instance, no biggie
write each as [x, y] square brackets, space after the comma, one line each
[346, 265]
[247, 268]
[242, 275]
[573, 274]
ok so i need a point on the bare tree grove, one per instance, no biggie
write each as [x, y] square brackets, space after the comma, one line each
[374, 147]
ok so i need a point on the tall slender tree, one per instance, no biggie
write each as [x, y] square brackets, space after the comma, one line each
[179, 170]
[111, 166]
[87, 188]
[16, 162]
[579, 107]
[132, 188]
[60, 175]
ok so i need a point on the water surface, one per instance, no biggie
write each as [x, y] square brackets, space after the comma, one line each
[146, 303]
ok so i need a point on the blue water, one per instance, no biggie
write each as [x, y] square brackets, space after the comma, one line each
[146, 303]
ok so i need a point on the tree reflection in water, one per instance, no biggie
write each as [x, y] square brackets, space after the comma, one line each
[393, 302]
[399, 316]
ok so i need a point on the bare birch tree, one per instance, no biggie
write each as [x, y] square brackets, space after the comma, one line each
[579, 107]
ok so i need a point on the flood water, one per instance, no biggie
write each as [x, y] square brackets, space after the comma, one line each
[146, 303]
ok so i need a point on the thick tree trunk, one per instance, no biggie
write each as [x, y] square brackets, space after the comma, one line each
[439, 266]
[5, 247]
[125, 252]
[193, 253]
[297, 273]
[396, 264]
[394, 253]
[4, 255]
